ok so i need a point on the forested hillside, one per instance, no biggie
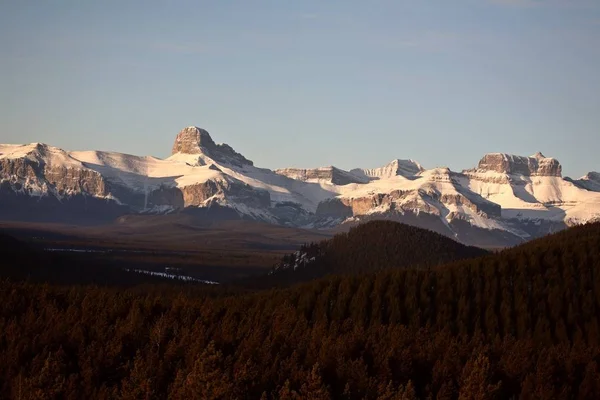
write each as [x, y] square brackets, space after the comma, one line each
[519, 324]
[370, 247]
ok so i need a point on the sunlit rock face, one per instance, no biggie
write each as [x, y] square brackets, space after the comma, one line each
[406, 168]
[331, 174]
[39, 169]
[504, 200]
[536, 165]
[194, 140]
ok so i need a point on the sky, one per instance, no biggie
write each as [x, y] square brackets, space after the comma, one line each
[307, 83]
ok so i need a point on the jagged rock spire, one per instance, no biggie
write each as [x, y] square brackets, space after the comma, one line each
[191, 139]
[194, 140]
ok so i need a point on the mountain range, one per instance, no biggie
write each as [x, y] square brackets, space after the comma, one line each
[504, 200]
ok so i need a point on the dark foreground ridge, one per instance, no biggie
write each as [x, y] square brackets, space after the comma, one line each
[522, 323]
[370, 247]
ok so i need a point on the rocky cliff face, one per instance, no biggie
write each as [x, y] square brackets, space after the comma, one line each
[506, 198]
[407, 201]
[406, 168]
[43, 183]
[591, 181]
[42, 170]
[594, 178]
[193, 140]
[226, 190]
[38, 170]
[536, 165]
[331, 174]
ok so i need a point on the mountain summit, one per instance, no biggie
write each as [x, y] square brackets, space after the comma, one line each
[505, 200]
[194, 140]
[190, 140]
[536, 165]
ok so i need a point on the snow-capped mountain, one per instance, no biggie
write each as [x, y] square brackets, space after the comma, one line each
[406, 168]
[504, 200]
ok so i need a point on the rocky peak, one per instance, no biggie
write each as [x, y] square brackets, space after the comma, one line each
[591, 181]
[191, 139]
[330, 174]
[406, 168]
[593, 176]
[194, 140]
[536, 165]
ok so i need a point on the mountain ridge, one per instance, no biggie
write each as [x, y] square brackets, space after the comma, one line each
[506, 199]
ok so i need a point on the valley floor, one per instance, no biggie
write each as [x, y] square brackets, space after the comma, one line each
[219, 252]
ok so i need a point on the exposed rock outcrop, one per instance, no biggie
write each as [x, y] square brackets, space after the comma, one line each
[40, 170]
[194, 140]
[593, 178]
[536, 165]
[406, 168]
[335, 208]
[43, 183]
[406, 201]
[591, 181]
[505, 196]
[329, 174]
[237, 192]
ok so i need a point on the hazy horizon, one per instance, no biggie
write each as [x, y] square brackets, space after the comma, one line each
[308, 84]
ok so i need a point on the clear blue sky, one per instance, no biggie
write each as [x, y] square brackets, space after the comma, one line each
[307, 83]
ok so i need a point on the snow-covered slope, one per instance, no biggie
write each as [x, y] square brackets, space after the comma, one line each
[406, 168]
[37, 170]
[537, 192]
[506, 199]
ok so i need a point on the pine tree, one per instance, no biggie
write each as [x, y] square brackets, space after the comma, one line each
[139, 384]
[476, 380]
[408, 392]
[286, 392]
[388, 392]
[314, 389]
[590, 386]
[206, 380]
